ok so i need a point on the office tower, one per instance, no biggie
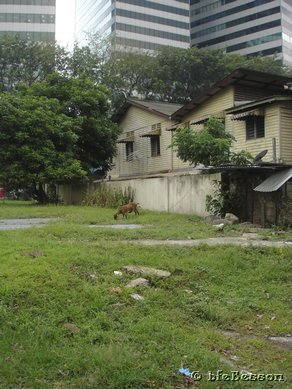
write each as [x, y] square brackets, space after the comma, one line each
[244, 27]
[28, 19]
[141, 24]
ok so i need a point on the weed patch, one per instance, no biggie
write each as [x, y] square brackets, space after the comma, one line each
[68, 321]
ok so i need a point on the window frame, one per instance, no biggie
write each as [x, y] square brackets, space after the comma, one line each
[129, 147]
[155, 146]
[254, 127]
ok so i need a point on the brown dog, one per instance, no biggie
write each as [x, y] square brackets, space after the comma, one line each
[127, 208]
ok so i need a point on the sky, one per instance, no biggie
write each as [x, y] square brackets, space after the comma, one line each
[65, 13]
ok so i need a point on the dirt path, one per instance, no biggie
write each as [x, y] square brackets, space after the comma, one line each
[15, 224]
[241, 241]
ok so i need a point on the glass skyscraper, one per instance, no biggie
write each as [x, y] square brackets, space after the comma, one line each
[141, 24]
[244, 27]
[28, 19]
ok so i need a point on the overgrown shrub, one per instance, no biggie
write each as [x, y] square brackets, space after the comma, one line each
[285, 214]
[107, 197]
[222, 201]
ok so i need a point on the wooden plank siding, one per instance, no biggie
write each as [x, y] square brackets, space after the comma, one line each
[139, 122]
[243, 93]
[214, 105]
[254, 146]
[286, 134]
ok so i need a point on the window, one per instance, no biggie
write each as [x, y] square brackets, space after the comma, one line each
[255, 127]
[155, 145]
[129, 150]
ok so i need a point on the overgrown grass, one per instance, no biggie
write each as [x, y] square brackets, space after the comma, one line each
[60, 326]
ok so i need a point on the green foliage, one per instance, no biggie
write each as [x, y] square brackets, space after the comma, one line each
[87, 104]
[285, 208]
[157, 77]
[25, 62]
[107, 197]
[209, 146]
[242, 158]
[36, 142]
[222, 201]
[54, 132]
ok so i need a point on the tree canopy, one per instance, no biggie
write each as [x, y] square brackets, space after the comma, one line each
[176, 75]
[24, 61]
[53, 132]
[209, 146]
[172, 74]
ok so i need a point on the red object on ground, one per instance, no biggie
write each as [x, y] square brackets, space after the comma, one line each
[2, 193]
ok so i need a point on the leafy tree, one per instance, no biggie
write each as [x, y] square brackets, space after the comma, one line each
[88, 105]
[174, 74]
[24, 61]
[210, 146]
[54, 132]
[185, 73]
[130, 73]
[36, 144]
[81, 62]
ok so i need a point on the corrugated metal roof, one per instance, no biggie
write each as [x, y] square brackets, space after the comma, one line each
[126, 139]
[275, 181]
[159, 108]
[241, 106]
[246, 77]
[165, 108]
[154, 132]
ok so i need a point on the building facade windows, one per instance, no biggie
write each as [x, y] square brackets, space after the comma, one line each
[255, 127]
[155, 145]
[28, 19]
[241, 33]
[149, 32]
[235, 22]
[129, 150]
[254, 42]
[28, 2]
[140, 24]
[228, 24]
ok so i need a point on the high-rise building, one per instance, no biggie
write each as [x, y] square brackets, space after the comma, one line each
[244, 27]
[140, 24]
[28, 19]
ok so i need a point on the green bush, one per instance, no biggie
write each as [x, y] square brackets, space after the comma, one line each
[106, 197]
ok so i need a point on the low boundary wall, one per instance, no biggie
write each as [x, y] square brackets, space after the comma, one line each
[178, 194]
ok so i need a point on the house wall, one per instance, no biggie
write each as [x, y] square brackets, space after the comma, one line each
[254, 146]
[179, 194]
[214, 105]
[140, 121]
[286, 133]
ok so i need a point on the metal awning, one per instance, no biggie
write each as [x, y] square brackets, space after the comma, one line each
[201, 120]
[246, 114]
[173, 127]
[150, 133]
[126, 139]
[275, 181]
[204, 119]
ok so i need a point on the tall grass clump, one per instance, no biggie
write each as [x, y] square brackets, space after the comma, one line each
[107, 197]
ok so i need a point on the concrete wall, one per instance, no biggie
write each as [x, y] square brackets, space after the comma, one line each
[178, 194]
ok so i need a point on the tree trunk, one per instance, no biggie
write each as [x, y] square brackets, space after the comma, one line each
[40, 195]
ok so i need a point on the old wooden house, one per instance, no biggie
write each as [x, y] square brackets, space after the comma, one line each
[257, 110]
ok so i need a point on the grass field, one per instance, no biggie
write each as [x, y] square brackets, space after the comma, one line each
[67, 320]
